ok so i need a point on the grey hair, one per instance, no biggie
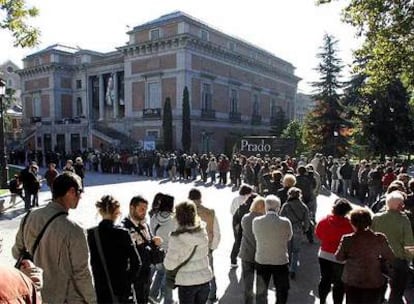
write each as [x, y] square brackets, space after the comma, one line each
[394, 199]
[272, 202]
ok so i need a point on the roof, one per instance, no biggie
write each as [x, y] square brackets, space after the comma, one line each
[58, 48]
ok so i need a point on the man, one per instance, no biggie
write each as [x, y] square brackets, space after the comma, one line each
[28, 180]
[397, 228]
[272, 234]
[213, 231]
[50, 175]
[63, 251]
[144, 241]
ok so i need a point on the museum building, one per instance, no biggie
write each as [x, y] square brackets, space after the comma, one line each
[75, 99]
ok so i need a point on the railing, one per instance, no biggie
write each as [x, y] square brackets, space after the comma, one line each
[235, 117]
[256, 119]
[151, 113]
[208, 114]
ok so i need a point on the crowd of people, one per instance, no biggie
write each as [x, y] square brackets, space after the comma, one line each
[273, 214]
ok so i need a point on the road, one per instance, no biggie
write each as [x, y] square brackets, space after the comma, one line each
[303, 290]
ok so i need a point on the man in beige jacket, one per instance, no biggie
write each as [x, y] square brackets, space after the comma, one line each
[63, 250]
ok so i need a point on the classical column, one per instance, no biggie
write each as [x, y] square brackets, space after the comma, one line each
[115, 102]
[101, 97]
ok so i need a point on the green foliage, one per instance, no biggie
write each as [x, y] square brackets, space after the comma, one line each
[15, 19]
[294, 130]
[167, 125]
[387, 29]
[279, 122]
[186, 135]
[323, 126]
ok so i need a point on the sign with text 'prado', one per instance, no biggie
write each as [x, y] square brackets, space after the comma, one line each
[266, 145]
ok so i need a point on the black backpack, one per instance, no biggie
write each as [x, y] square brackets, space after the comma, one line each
[242, 210]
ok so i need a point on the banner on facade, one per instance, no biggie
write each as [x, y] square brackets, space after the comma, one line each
[266, 145]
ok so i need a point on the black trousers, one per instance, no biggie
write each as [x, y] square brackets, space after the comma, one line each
[331, 274]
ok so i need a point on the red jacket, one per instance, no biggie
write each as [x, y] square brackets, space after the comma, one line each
[15, 287]
[330, 231]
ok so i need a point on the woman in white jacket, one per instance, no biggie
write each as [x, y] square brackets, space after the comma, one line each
[192, 278]
[162, 223]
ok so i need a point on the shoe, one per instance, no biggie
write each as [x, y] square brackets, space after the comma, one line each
[234, 265]
[292, 275]
[214, 300]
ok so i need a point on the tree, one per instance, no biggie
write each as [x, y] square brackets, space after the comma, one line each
[15, 19]
[167, 125]
[387, 29]
[279, 122]
[388, 124]
[186, 135]
[323, 124]
[294, 130]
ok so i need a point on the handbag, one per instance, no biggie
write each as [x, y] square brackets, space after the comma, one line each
[156, 254]
[171, 274]
[25, 254]
[103, 261]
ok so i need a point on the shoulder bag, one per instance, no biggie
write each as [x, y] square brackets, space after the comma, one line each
[25, 254]
[171, 274]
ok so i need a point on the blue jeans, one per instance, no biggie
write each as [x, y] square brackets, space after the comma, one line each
[158, 285]
[280, 274]
[195, 294]
[294, 247]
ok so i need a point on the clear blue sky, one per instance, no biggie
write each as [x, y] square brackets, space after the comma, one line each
[291, 29]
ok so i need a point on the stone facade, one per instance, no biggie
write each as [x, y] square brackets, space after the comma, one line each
[77, 99]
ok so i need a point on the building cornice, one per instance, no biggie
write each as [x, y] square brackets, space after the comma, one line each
[45, 68]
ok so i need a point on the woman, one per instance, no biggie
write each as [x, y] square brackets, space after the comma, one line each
[362, 252]
[212, 169]
[248, 247]
[121, 258]
[162, 224]
[289, 180]
[194, 277]
[298, 214]
[330, 231]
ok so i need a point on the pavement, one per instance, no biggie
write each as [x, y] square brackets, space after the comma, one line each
[303, 289]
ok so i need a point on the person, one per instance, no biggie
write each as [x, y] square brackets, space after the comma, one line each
[361, 251]
[271, 257]
[69, 166]
[16, 189]
[248, 247]
[79, 168]
[213, 231]
[31, 185]
[298, 214]
[329, 231]
[20, 285]
[63, 251]
[239, 207]
[162, 223]
[121, 257]
[289, 180]
[397, 228]
[50, 175]
[140, 232]
[190, 239]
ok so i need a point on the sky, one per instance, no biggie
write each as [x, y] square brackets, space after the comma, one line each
[290, 29]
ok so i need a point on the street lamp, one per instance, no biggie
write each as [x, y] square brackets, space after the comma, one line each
[3, 155]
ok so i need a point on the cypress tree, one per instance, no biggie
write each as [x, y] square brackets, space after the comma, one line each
[186, 135]
[167, 125]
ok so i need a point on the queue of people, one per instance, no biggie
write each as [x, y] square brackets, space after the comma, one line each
[279, 205]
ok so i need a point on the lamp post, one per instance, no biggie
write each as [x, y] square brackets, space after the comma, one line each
[3, 154]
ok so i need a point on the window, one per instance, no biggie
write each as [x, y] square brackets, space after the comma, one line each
[9, 83]
[79, 110]
[37, 111]
[234, 101]
[155, 34]
[256, 105]
[10, 69]
[207, 97]
[79, 84]
[204, 35]
[273, 108]
[154, 96]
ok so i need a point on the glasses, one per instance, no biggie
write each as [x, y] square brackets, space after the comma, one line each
[79, 191]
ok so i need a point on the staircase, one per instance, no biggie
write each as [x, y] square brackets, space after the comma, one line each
[122, 140]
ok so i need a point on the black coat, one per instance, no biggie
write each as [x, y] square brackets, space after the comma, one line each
[122, 259]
